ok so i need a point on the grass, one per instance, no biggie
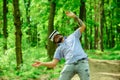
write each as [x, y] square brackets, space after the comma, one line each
[8, 68]
[106, 55]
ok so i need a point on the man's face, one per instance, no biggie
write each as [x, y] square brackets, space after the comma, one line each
[58, 38]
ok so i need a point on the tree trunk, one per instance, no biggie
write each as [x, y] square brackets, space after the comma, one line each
[108, 28]
[82, 16]
[96, 26]
[18, 33]
[118, 22]
[106, 31]
[112, 28]
[91, 41]
[112, 35]
[34, 35]
[5, 10]
[101, 24]
[51, 45]
[27, 8]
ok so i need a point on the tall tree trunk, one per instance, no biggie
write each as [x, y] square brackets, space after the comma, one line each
[27, 8]
[106, 31]
[34, 35]
[118, 22]
[51, 45]
[91, 41]
[95, 25]
[112, 29]
[18, 33]
[112, 35]
[5, 10]
[108, 28]
[101, 24]
[82, 16]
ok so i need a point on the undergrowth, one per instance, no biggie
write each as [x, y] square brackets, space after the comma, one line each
[8, 69]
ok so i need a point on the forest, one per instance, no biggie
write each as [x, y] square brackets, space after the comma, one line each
[26, 24]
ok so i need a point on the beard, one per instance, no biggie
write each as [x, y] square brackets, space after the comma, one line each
[60, 39]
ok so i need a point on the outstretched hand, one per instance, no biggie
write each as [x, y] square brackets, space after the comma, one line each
[70, 14]
[36, 64]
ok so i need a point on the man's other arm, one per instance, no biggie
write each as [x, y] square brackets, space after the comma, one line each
[80, 24]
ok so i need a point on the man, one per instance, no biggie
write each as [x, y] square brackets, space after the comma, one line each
[70, 49]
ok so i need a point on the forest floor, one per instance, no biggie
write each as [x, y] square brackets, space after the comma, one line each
[101, 70]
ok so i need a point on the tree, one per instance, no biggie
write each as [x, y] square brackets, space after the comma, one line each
[101, 24]
[90, 30]
[51, 46]
[34, 34]
[83, 17]
[18, 33]
[27, 8]
[32, 28]
[118, 23]
[107, 21]
[5, 10]
[96, 19]
[110, 29]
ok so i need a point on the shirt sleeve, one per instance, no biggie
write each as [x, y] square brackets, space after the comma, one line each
[77, 33]
[57, 54]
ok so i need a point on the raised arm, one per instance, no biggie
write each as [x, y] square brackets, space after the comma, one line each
[80, 22]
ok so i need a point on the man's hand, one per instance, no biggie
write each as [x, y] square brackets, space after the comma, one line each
[70, 14]
[50, 64]
[80, 22]
[36, 64]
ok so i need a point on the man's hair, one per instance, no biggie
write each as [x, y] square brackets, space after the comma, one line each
[54, 37]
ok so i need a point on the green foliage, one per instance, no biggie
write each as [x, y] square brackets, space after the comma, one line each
[117, 47]
[27, 71]
[39, 15]
[8, 61]
[107, 54]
